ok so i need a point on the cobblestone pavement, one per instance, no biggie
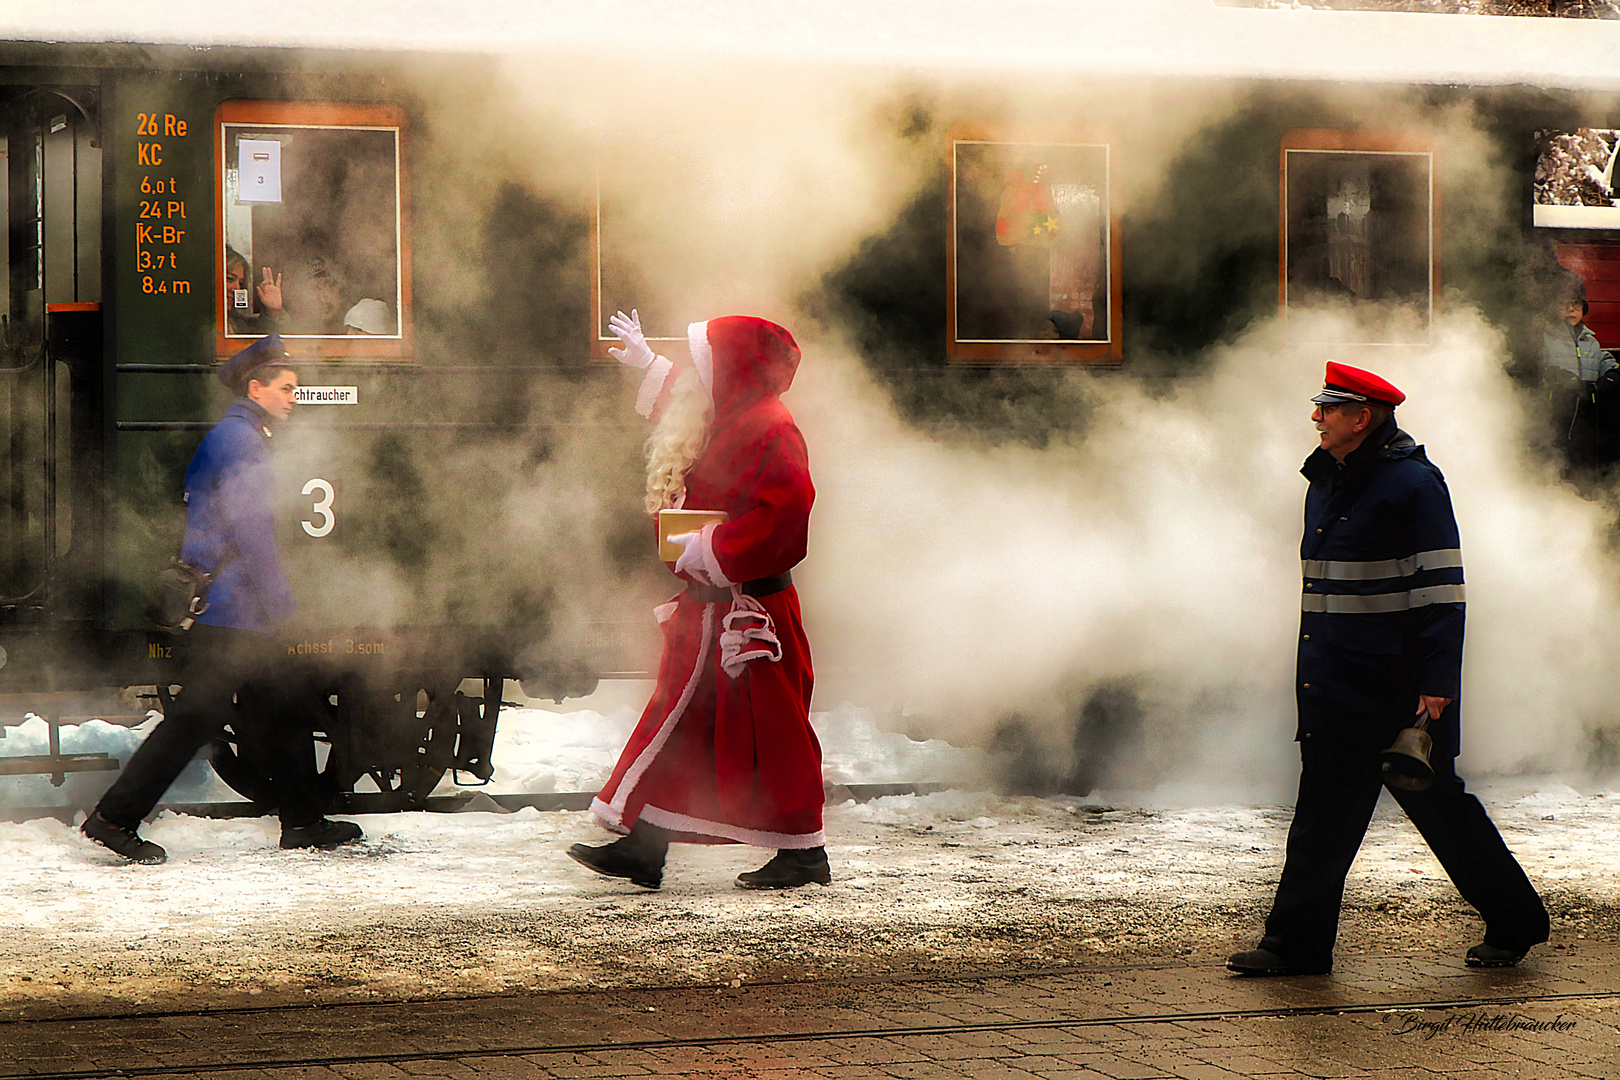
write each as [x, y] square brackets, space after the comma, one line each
[1558, 1015]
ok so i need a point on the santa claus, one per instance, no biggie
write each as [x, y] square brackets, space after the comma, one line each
[724, 752]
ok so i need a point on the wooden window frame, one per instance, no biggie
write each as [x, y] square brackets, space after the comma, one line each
[318, 114]
[1353, 141]
[1108, 353]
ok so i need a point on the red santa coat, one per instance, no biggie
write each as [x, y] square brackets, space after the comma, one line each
[724, 751]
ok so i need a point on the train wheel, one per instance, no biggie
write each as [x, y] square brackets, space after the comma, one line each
[398, 789]
[401, 738]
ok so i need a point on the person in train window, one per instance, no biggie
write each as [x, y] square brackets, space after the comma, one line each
[315, 297]
[724, 752]
[231, 652]
[1381, 632]
[240, 317]
[1583, 378]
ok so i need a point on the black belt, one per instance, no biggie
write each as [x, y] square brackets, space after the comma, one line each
[765, 586]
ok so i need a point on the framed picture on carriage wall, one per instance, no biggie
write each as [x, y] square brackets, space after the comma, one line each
[1358, 215]
[1033, 248]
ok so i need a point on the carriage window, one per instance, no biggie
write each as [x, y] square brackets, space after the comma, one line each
[668, 248]
[313, 242]
[1032, 265]
[652, 229]
[1358, 232]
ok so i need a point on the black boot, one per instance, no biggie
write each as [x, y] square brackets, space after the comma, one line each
[1486, 955]
[790, 868]
[322, 833]
[639, 856]
[122, 839]
[1263, 962]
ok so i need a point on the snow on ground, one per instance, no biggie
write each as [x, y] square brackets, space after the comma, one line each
[439, 904]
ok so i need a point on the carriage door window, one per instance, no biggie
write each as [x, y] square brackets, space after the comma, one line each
[1358, 236]
[52, 201]
[312, 228]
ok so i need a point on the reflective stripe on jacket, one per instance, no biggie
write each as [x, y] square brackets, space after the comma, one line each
[1382, 599]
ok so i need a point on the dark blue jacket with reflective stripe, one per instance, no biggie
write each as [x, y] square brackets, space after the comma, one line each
[1382, 605]
[229, 487]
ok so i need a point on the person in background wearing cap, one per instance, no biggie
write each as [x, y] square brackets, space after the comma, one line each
[1381, 639]
[724, 752]
[1571, 356]
[229, 651]
[369, 317]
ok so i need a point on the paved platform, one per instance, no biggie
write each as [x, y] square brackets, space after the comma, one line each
[1558, 1015]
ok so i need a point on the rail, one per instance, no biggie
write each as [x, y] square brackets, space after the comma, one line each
[372, 802]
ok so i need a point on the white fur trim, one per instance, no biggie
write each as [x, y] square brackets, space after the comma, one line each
[711, 565]
[644, 760]
[652, 385]
[668, 819]
[665, 612]
[747, 634]
[697, 336]
[609, 817]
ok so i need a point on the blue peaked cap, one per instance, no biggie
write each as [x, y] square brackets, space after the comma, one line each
[236, 372]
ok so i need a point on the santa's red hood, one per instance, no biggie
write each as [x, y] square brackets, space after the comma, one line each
[742, 359]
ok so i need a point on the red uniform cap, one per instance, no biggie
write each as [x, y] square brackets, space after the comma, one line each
[1351, 384]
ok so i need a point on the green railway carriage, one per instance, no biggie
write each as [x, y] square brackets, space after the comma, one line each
[150, 190]
[122, 166]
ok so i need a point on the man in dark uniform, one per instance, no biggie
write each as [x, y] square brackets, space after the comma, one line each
[1381, 640]
[231, 673]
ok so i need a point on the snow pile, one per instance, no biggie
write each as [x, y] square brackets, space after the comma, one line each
[197, 783]
[537, 751]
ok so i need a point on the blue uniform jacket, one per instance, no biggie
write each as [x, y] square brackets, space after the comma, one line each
[1382, 605]
[229, 486]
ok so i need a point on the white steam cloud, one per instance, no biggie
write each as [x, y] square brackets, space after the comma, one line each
[956, 585]
[1164, 547]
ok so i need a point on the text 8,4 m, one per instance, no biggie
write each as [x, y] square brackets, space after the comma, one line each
[158, 247]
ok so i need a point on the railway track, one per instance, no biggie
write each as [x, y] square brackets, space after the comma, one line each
[363, 802]
[261, 1061]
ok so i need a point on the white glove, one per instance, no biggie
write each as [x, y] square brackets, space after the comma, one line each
[691, 557]
[627, 328]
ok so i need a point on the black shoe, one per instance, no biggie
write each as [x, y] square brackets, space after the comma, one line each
[624, 858]
[321, 833]
[790, 868]
[124, 841]
[1485, 955]
[1265, 962]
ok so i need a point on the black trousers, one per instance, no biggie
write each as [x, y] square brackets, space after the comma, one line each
[230, 677]
[1338, 789]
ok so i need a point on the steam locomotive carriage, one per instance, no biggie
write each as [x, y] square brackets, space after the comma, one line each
[167, 206]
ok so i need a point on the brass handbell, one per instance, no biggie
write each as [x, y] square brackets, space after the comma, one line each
[1405, 764]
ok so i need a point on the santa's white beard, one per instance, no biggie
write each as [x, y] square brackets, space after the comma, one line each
[675, 443]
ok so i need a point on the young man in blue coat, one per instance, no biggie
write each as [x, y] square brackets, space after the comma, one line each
[1380, 644]
[231, 671]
